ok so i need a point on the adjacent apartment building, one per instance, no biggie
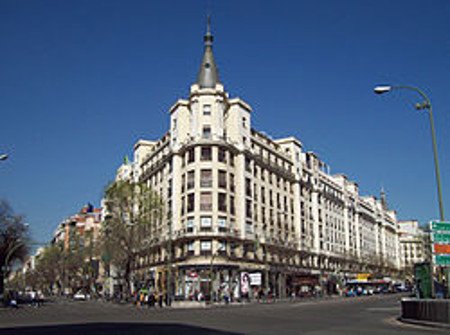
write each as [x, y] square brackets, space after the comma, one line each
[414, 245]
[246, 212]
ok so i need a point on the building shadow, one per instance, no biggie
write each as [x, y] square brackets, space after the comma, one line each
[111, 328]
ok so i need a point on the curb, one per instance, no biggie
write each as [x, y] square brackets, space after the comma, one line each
[424, 323]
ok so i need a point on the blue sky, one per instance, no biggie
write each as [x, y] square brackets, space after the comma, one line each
[81, 81]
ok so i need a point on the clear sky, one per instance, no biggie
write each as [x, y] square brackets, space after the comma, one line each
[81, 81]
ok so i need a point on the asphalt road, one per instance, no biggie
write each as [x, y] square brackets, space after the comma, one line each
[364, 315]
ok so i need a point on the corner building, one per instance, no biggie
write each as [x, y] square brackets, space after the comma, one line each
[261, 214]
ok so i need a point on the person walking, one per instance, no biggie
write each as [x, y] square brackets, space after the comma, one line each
[160, 299]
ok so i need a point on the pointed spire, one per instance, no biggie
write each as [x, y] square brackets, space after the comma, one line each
[208, 75]
[383, 199]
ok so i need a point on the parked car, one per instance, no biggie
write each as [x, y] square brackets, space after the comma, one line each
[81, 296]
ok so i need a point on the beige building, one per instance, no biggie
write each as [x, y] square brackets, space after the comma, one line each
[413, 244]
[261, 213]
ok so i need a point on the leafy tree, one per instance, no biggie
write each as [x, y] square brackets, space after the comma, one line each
[13, 238]
[133, 210]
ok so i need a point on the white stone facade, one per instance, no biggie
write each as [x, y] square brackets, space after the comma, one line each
[240, 201]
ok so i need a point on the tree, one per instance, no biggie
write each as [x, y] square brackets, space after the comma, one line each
[133, 210]
[13, 239]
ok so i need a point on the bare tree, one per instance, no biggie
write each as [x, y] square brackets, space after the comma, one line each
[13, 239]
[133, 211]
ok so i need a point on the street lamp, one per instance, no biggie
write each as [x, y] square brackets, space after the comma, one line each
[3, 157]
[426, 104]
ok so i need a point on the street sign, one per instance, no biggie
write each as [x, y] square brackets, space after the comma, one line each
[442, 260]
[440, 226]
[442, 238]
[442, 248]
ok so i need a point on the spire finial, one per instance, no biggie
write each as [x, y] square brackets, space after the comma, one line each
[208, 76]
[208, 25]
[383, 198]
[208, 36]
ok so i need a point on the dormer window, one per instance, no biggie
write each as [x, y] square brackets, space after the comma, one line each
[206, 109]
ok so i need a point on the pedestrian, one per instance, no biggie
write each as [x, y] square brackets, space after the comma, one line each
[160, 299]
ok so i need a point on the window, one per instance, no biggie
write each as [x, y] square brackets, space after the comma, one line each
[205, 201]
[190, 180]
[191, 248]
[231, 182]
[232, 208]
[183, 182]
[222, 224]
[222, 247]
[205, 222]
[244, 122]
[248, 187]
[222, 155]
[206, 132]
[222, 179]
[191, 202]
[206, 109]
[174, 123]
[231, 159]
[206, 154]
[206, 178]
[191, 155]
[248, 164]
[222, 202]
[205, 245]
[190, 225]
[248, 208]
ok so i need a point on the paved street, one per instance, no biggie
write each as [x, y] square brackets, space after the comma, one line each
[367, 315]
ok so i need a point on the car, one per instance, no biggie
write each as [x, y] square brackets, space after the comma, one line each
[81, 296]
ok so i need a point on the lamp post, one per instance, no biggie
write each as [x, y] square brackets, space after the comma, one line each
[3, 157]
[426, 104]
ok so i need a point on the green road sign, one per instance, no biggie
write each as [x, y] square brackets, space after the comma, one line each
[441, 237]
[442, 226]
[443, 260]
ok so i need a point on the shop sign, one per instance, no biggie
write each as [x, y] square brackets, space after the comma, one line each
[363, 276]
[255, 279]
